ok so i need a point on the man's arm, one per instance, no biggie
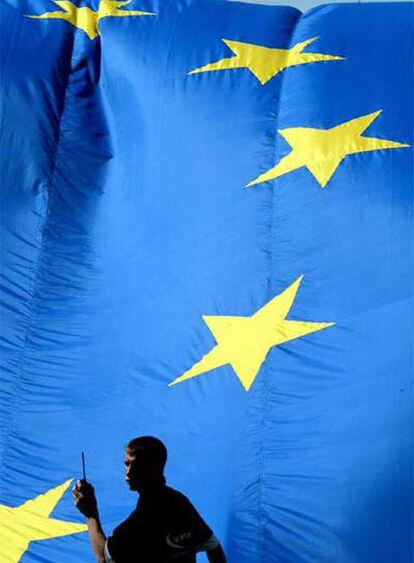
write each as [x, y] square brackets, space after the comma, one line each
[97, 538]
[85, 501]
[216, 555]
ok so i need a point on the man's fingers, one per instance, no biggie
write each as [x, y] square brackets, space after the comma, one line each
[77, 496]
[83, 486]
[77, 488]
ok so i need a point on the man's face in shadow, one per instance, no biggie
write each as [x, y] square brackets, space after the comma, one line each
[138, 471]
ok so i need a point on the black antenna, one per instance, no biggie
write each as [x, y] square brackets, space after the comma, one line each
[83, 467]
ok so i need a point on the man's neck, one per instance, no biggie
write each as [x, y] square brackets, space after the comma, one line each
[152, 486]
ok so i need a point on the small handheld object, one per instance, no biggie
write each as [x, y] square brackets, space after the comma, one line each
[83, 467]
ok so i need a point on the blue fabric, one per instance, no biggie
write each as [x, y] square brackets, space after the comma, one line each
[125, 219]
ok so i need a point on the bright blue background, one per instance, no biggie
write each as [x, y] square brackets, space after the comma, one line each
[125, 220]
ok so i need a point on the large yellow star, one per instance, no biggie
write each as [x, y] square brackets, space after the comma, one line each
[322, 150]
[244, 342]
[30, 522]
[265, 62]
[86, 19]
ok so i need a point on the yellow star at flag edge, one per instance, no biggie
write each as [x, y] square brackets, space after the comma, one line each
[244, 342]
[30, 521]
[321, 151]
[85, 18]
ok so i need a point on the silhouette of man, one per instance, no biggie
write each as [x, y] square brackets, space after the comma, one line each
[164, 527]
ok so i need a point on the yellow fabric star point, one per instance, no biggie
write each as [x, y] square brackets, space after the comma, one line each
[86, 19]
[244, 342]
[321, 151]
[30, 522]
[265, 62]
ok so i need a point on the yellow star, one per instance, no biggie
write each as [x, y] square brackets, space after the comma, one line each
[30, 522]
[322, 150]
[265, 62]
[86, 19]
[244, 342]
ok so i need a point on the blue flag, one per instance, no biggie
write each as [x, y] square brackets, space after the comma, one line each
[207, 217]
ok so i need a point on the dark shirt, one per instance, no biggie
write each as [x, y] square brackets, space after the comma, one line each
[164, 528]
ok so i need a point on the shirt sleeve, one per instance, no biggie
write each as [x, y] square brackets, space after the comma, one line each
[209, 544]
[124, 540]
[108, 558]
[201, 532]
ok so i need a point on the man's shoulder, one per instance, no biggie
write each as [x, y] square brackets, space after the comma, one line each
[187, 525]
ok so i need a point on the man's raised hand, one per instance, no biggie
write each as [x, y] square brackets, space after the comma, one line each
[83, 495]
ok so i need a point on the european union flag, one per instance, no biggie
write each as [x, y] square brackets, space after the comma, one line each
[207, 217]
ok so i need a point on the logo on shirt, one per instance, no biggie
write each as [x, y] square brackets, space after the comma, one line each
[178, 541]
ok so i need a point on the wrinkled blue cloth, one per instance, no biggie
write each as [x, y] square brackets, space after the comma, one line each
[125, 220]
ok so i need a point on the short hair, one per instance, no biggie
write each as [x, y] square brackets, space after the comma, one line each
[150, 449]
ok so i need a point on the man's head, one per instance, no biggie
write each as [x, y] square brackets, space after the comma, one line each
[145, 459]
